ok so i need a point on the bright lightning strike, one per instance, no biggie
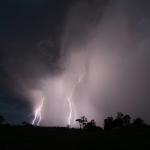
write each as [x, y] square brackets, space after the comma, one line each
[37, 113]
[69, 99]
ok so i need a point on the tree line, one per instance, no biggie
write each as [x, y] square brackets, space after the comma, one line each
[118, 122]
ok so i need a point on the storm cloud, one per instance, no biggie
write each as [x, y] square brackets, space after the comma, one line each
[46, 48]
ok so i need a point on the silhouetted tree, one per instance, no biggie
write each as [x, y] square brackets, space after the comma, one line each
[108, 123]
[80, 124]
[91, 125]
[120, 115]
[82, 121]
[118, 121]
[138, 122]
[122, 121]
[126, 120]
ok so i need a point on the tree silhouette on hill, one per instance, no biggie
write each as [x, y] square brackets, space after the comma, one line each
[122, 121]
[85, 124]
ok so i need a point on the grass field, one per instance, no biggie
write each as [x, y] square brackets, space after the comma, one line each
[30, 138]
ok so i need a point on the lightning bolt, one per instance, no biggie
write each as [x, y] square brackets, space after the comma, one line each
[69, 98]
[37, 113]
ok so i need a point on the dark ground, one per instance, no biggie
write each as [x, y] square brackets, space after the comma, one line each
[30, 138]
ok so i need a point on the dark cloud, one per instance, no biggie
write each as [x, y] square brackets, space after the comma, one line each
[29, 47]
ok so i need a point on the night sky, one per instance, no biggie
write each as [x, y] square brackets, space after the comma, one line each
[42, 42]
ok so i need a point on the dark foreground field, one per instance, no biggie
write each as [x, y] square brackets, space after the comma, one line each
[30, 138]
